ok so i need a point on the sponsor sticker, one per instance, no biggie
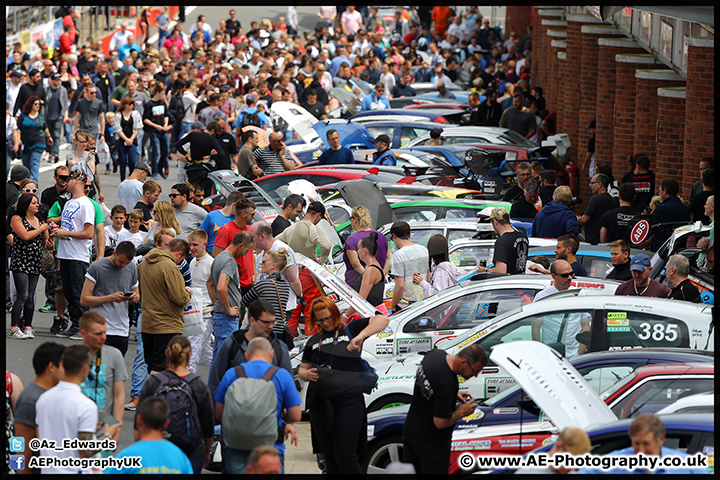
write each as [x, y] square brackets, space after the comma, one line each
[386, 333]
[618, 322]
[410, 345]
[551, 439]
[471, 339]
[383, 350]
[476, 415]
[505, 410]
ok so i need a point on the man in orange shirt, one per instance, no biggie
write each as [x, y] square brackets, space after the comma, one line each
[441, 15]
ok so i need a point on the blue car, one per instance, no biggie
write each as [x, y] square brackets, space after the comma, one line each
[600, 369]
[688, 432]
[439, 115]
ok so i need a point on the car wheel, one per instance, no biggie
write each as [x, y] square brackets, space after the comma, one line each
[382, 452]
[389, 401]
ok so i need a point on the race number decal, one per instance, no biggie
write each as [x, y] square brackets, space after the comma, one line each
[659, 332]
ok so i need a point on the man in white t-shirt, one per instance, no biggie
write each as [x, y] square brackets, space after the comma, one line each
[188, 215]
[547, 328]
[74, 239]
[407, 260]
[130, 191]
[64, 412]
[264, 240]
[200, 271]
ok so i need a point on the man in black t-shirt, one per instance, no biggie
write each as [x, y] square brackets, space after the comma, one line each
[511, 247]
[600, 203]
[523, 173]
[524, 206]
[616, 224]
[677, 269]
[228, 155]
[433, 414]
[292, 208]
[312, 105]
[644, 183]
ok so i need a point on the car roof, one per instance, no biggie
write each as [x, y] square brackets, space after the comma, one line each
[395, 122]
[319, 170]
[678, 355]
[705, 399]
[677, 421]
[676, 368]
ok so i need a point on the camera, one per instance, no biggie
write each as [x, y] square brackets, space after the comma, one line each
[323, 370]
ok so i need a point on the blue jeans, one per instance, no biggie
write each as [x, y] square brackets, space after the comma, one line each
[236, 461]
[139, 369]
[160, 147]
[140, 137]
[8, 161]
[72, 273]
[31, 159]
[184, 128]
[197, 463]
[68, 132]
[223, 327]
[56, 130]
[126, 155]
[162, 35]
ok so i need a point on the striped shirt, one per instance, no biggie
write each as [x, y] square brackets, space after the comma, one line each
[270, 161]
[265, 289]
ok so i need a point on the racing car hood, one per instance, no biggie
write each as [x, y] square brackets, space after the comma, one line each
[553, 384]
[298, 119]
[368, 193]
[328, 280]
[351, 134]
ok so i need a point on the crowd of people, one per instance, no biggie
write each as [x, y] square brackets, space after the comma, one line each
[227, 289]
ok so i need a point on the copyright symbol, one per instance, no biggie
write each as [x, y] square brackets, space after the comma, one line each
[34, 444]
[466, 460]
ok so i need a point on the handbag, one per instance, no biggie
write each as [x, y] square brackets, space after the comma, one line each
[287, 334]
[193, 316]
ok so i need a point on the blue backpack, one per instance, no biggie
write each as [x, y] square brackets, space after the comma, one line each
[184, 429]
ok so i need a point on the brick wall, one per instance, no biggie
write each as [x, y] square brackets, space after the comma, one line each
[539, 51]
[573, 74]
[625, 97]
[555, 85]
[548, 19]
[700, 119]
[519, 18]
[646, 107]
[671, 106]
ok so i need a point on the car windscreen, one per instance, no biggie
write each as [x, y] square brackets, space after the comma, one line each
[473, 332]
[514, 138]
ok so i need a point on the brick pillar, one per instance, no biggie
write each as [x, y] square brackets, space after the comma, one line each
[541, 45]
[626, 89]
[700, 119]
[646, 107]
[545, 79]
[537, 64]
[519, 18]
[605, 109]
[671, 143]
[555, 80]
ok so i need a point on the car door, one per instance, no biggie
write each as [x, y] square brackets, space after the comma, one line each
[623, 328]
[468, 257]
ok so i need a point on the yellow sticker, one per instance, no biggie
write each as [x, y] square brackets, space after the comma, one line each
[616, 315]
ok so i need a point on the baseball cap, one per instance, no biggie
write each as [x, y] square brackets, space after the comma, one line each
[226, 65]
[242, 45]
[500, 213]
[55, 76]
[19, 173]
[197, 124]
[317, 207]
[79, 174]
[382, 138]
[251, 98]
[639, 262]
[144, 167]
[245, 66]
[17, 73]
[264, 34]
[592, 124]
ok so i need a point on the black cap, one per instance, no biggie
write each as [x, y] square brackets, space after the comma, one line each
[317, 207]
[55, 76]
[17, 73]
[382, 138]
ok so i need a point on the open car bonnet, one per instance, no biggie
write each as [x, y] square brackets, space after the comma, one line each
[328, 280]
[553, 383]
[368, 194]
[351, 134]
[298, 119]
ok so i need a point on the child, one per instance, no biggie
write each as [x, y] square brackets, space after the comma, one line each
[200, 271]
[134, 235]
[112, 232]
[110, 139]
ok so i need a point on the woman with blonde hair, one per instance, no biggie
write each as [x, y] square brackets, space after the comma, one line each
[274, 289]
[196, 441]
[165, 217]
[331, 363]
[360, 221]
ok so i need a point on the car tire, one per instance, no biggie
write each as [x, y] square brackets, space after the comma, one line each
[381, 452]
[389, 401]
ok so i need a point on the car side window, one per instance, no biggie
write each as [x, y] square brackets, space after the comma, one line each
[461, 312]
[465, 257]
[596, 267]
[628, 329]
[338, 215]
[460, 213]
[657, 393]
[602, 377]
[270, 185]
[458, 234]
[408, 134]
[416, 214]
[421, 237]
[377, 130]
[567, 332]
[496, 302]
[469, 140]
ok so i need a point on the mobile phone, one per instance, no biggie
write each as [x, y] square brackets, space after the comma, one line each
[109, 420]
[128, 294]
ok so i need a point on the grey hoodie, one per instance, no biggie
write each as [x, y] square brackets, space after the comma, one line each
[443, 276]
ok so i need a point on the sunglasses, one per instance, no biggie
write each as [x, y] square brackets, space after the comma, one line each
[173, 195]
[566, 275]
[30, 190]
[87, 187]
[64, 178]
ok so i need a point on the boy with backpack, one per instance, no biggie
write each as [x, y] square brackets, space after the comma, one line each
[257, 404]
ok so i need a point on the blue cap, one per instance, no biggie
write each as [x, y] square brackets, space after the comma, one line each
[639, 262]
